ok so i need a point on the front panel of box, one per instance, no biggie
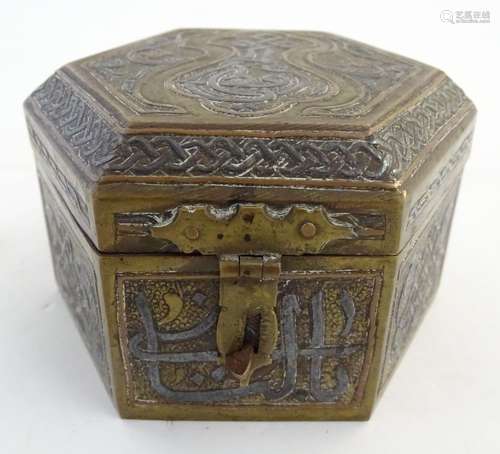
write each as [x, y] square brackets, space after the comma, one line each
[168, 326]
[165, 313]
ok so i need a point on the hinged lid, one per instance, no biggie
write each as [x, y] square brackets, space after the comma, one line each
[254, 121]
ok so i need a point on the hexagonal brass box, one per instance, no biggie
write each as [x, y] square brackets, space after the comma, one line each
[248, 224]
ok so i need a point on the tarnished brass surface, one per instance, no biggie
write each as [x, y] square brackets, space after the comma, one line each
[254, 229]
[106, 176]
[391, 316]
[248, 289]
[248, 224]
[248, 82]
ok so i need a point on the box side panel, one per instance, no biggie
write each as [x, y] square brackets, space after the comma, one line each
[430, 181]
[61, 174]
[417, 279]
[74, 263]
[330, 315]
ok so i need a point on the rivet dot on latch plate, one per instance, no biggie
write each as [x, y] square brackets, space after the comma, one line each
[191, 233]
[308, 229]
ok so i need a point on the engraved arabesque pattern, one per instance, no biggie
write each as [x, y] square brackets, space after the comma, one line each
[255, 80]
[417, 281]
[88, 138]
[419, 206]
[250, 73]
[93, 143]
[413, 130]
[77, 282]
[72, 196]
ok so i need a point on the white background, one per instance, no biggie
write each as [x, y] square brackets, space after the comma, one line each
[445, 397]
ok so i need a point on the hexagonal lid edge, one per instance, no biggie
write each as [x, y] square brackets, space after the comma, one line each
[93, 140]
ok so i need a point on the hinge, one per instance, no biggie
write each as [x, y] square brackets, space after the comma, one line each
[248, 291]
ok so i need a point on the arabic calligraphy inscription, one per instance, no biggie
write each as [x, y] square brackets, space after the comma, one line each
[323, 350]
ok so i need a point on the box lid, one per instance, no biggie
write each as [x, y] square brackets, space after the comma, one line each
[134, 136]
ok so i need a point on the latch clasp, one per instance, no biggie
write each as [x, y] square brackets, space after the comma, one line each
[248, 291]
[243, 236]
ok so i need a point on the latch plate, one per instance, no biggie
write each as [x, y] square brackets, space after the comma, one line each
[253, 229]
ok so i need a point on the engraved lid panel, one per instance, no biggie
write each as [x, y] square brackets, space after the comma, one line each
[241, 81]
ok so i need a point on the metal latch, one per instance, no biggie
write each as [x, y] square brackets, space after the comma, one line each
[243, 236]
[248, 290]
